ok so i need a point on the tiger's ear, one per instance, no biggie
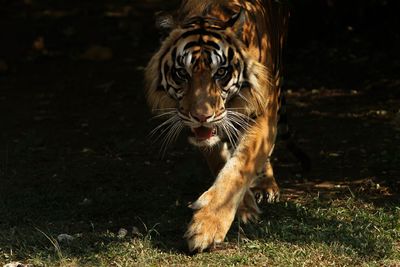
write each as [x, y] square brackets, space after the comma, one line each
[165, 23]
[236, 22]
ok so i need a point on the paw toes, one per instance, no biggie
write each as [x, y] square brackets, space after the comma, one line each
[272, 196]
[269, 196]
[202, 235]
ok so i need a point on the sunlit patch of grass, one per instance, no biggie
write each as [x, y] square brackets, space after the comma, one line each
[348, 229]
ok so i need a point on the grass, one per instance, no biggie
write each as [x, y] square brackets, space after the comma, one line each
[306, 232]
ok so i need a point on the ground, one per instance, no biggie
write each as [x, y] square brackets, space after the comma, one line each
[76, 159]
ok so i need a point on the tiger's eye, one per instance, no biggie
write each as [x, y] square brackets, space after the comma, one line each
[182, 73]
[220, 73]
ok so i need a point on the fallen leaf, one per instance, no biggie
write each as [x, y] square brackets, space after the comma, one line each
[38, 44]
[98, 53]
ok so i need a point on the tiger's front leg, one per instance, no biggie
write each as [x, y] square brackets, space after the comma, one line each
[215, 209]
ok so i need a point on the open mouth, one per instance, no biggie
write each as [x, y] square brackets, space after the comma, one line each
[204, 133]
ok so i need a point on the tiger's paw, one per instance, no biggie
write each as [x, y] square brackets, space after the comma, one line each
[267, 191]
[209, 224]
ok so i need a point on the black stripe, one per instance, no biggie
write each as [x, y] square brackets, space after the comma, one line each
[190, 45]
[209, 57]
[245, 85]
[223, 59]
[244, 72]
[199, 32]
[230, 54]
[166, 69]
[227, 78]
[173, 54]
[161, 59]
[213, 44]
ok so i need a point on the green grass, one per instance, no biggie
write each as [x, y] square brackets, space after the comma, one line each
[306, 232]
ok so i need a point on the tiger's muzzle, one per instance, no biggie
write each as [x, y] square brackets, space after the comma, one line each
[203, 129]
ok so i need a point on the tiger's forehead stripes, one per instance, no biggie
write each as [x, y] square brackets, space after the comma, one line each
[200, 44]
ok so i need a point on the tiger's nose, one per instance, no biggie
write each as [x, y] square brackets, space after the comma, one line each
[201, 117]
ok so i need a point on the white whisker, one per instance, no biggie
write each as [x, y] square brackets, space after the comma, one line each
[240, 119]
[228, 133]
[235, 132]
[164, 114]
[171, 136]
[169, 121]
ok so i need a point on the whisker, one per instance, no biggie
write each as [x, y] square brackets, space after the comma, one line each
[168, 124]
[228, 133]
[170, 120]
[170, 137]
[235, 132]
[164, 114]
[240, 119]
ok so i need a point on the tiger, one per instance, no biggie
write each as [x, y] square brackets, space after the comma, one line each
[217, 75]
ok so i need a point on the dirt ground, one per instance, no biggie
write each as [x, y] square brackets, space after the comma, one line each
[74, 125]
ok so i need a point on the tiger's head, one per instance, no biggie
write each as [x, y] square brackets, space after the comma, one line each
[203, 78]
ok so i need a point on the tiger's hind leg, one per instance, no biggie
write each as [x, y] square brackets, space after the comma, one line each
[266, 188]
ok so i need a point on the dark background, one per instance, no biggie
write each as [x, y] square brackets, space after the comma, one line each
[74, 125]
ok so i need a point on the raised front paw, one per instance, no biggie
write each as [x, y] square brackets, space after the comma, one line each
[209, 224]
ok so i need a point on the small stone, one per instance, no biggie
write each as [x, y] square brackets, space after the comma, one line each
[122, 233]
[65, 238]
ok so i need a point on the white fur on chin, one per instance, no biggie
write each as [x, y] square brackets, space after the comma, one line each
[212, 141]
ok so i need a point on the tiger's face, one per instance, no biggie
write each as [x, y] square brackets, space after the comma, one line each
[203, 84]
[202, 72]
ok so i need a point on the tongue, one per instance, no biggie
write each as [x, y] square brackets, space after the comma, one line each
[203, 133]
